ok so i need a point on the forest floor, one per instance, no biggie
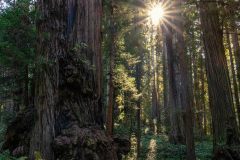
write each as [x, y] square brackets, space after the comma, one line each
[153, 147]
[157, 147]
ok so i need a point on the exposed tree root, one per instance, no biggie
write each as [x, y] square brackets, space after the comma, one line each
[73, 143]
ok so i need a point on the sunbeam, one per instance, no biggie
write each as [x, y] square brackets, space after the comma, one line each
[156, 14]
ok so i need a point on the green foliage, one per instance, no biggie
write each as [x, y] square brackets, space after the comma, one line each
[121, 130]
[18, 34]
[6, 156]
[17, 44]
[37, 155]
[156, 147]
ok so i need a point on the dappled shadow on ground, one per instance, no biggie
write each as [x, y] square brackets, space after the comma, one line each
[152, 149]
[157, 147]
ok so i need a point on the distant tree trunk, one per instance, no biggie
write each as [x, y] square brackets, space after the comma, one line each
[138, 114]
[236, 50]
[158, 71]
[230, 12]
[155, 99]
[151, 74]
[196, 94]
[32, 89]
[225, 130]
[235, 85]
[26, 83]
[109, 118]
[176, 135]
[68, 124]
[186, 94]
[165, 86]
[203, 102]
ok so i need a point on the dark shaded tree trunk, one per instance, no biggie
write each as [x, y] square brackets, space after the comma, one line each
[176, 135]
[225, 130]
[165, 86]
[186, 94]
[26, 90]
[109, 118]
[68, 122]
[67, 96]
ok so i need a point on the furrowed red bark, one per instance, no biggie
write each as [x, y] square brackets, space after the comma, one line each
[68, 122]
[225, 129]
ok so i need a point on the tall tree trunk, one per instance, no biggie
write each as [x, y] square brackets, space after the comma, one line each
[155, 102]
[138, 114]
[109, 118]
[67, 86]
[68, 124]
[165, 86]
[236, 50]
[26, 83]
[158, 71]
[186, 94]
[176, 135]
[225, 129]
[196, 93]
[230, 12]
[235, 85]
[203, 102]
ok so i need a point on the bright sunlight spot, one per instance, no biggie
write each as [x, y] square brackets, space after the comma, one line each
[152, 150]
[156, 14]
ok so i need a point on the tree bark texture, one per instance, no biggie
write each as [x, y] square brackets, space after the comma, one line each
[234, 78]
[109, 118]
[186, 94]
[176, 135]
[68, 122]
[165, 86]
[225, 131]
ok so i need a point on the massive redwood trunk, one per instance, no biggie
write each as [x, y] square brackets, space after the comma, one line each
[225, 129]
[68, 122]
[186, 94]
[176, 135]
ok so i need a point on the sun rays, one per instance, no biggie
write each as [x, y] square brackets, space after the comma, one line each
[163, 13]
[156, 14]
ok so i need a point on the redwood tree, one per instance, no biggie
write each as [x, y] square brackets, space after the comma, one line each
[68, 122]
[225, 131]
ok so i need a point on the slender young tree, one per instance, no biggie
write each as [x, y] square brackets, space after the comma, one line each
[203, 101]
[139, 73]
